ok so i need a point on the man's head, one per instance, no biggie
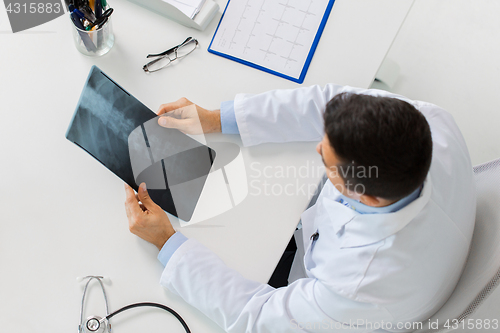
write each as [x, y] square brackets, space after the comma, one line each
[376, 149]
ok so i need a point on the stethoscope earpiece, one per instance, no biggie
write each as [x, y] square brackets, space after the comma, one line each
[106, 280]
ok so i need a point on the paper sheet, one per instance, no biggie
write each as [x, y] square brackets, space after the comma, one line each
[274, 34]
[188, 7]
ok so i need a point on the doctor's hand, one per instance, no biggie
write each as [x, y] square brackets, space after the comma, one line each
[189, 118]
[145, 218]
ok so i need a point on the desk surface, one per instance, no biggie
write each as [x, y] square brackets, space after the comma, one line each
[63, 213]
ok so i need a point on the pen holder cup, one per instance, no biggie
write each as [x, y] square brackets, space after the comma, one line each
[94, 43]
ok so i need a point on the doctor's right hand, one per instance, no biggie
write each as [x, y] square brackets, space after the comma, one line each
[189, 118]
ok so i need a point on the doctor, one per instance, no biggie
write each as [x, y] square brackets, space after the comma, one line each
[384, 250]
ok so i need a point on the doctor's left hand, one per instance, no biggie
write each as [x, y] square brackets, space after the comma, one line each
[145, 218]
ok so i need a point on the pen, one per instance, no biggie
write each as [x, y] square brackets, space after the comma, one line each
[76, 20]
[92, 5]
[87, 24]
[98, 9]
[101, 21]
[89, 14]
[89, 45]
[78, 13]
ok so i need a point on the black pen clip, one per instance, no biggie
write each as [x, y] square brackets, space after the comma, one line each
[104, 18]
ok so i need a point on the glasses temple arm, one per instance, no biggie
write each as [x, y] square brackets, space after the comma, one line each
[169, 50]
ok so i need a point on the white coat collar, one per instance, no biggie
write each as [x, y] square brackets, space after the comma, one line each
[364, 229]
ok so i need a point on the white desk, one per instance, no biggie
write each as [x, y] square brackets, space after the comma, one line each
[62, 212]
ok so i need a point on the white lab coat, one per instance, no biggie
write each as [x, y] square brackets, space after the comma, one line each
[376, 271]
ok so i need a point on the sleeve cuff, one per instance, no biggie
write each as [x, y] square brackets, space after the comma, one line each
[172, 244]
[228, 118]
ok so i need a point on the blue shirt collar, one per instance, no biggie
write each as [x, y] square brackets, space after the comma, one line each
[365, 209]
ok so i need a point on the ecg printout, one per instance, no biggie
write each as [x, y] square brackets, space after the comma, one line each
[274, 34]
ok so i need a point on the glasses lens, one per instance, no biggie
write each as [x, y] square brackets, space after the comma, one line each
[187, 48]
[157, 64]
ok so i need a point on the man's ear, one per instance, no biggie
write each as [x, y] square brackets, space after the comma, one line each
[372, 201]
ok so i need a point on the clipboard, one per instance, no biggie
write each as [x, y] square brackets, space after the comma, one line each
[241, 33]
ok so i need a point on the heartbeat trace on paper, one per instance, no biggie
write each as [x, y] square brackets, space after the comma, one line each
[274, 34]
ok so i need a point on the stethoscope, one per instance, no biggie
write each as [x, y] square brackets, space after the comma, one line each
[96, 324]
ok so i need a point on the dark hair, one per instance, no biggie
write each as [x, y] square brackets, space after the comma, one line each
[381, 134]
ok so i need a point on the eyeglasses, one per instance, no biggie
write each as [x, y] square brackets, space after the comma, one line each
[166, 58]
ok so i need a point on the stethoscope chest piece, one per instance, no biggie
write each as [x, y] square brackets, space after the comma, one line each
[94, 324]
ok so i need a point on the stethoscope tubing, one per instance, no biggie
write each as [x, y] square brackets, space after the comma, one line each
[155, 305]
